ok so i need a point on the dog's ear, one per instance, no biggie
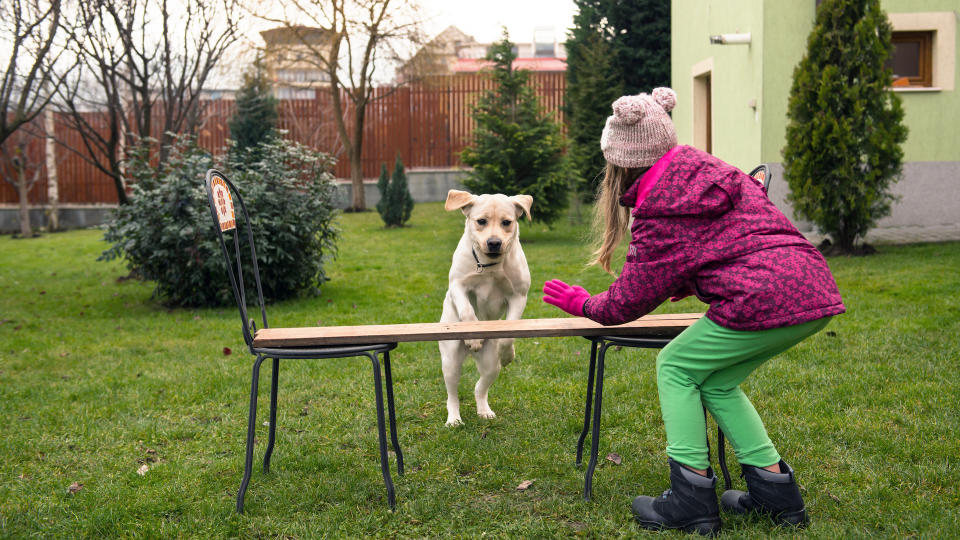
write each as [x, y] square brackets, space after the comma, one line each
[523, 202]
[457, 199]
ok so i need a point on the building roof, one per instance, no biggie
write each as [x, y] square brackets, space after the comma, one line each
[294, 35]
[469, 65]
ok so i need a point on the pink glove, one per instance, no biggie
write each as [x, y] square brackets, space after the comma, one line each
[568, 298]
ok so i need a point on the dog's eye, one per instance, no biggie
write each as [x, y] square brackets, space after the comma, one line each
[505, 223]
[481, 222]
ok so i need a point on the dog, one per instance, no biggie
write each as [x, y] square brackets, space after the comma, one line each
[489, 279]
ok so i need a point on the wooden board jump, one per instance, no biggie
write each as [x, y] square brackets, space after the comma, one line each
[666, 325]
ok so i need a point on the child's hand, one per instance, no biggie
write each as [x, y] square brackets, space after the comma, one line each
[568, 298]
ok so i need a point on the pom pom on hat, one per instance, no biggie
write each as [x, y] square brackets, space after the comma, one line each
[640, 131]
[628, 109]
[666, 97]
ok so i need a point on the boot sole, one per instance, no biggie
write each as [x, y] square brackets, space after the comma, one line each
[797, 518]
[707, 527]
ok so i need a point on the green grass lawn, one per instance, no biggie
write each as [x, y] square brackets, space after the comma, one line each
[97, 380]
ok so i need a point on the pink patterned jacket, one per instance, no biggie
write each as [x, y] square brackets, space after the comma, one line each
[706, 228]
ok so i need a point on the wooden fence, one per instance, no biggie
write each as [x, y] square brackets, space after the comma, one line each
[426, 124]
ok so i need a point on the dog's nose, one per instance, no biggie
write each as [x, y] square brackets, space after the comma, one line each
[493, 244]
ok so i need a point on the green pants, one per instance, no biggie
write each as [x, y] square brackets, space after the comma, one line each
[703, 367]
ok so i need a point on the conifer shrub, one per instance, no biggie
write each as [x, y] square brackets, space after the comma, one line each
[844, 128]
[165, 233]
[517, 149]
[396, 203]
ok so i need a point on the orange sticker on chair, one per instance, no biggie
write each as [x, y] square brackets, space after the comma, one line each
[223, 203]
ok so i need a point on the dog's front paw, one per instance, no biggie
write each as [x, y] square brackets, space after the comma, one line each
[453, 421]
[488, 414]
[473, 344]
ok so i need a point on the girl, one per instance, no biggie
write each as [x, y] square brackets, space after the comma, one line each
[703, 227]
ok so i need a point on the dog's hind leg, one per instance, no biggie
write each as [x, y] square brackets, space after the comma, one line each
[452, 354]
[488, 366]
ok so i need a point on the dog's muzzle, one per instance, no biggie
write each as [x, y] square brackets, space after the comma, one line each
[493, 247]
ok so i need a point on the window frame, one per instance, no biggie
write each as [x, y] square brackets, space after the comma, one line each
[924, 38]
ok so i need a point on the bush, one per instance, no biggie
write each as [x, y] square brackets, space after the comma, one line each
[396, 203]
[165, 234]
[845, 125]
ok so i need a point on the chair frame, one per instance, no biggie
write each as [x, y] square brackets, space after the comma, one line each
[249, 328]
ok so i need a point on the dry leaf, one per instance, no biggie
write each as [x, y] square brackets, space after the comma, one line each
[615, 458]
[143, 469]
[227, 351]
[524, 485]
[74, 487]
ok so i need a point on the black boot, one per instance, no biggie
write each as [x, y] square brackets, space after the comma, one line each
[690, 503]
[776, 495]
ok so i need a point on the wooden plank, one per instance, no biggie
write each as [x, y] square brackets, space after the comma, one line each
[667, 325]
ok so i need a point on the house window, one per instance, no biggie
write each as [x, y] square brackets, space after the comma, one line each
[912, 59]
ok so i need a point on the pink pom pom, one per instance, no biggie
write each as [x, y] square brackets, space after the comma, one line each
[628, 109]
[666, 97]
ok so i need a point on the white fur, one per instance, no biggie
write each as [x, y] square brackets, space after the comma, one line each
[499, 291]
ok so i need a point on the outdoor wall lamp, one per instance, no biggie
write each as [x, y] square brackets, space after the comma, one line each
[730, 39]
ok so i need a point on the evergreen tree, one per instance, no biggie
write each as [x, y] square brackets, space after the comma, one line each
[255, 118]
[592, 86]
[845, 125]
[641, 43]
[396, 203]
[614, 48]
[400, 192]
[516, 148]
[383, 187]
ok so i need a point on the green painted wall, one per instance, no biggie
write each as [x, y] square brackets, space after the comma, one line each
[763, 71]
[736, 78]
[787, 26]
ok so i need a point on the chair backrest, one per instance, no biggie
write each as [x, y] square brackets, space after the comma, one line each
[762, 174]
[221, 194]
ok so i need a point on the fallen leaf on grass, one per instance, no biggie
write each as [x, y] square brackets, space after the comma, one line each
[74, 487]
[63, 354]
[832, 496]
[227, 351]
[525, 485]
[143, 469]
[615, 458]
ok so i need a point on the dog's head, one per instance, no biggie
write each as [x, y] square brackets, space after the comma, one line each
[491, 219]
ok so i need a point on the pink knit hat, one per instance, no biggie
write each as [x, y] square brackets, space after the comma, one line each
[640, 131]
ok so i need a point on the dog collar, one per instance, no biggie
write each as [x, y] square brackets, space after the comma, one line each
[481, 266]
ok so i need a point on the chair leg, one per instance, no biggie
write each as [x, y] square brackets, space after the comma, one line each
[381, 432]
[722, 457]
[391, 413]
[595, 436]
[586, 414]
[273, 415]
[251, 432]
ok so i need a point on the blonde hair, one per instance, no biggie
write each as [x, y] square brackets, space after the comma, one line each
[610, 218]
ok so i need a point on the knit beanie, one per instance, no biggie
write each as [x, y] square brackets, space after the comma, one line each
[640, 131]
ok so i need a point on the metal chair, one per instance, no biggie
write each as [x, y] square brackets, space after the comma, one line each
[221, 194]
[761, 173]
[595, 374]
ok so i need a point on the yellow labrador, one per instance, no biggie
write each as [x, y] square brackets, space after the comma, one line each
[488, 280]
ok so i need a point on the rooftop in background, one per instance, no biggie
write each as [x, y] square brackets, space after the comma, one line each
[468, 65]
[453, 51]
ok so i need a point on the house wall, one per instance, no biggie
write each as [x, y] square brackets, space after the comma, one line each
[736, 74]
[929, 188]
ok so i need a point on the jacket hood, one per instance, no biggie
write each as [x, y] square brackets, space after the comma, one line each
[694, 184]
